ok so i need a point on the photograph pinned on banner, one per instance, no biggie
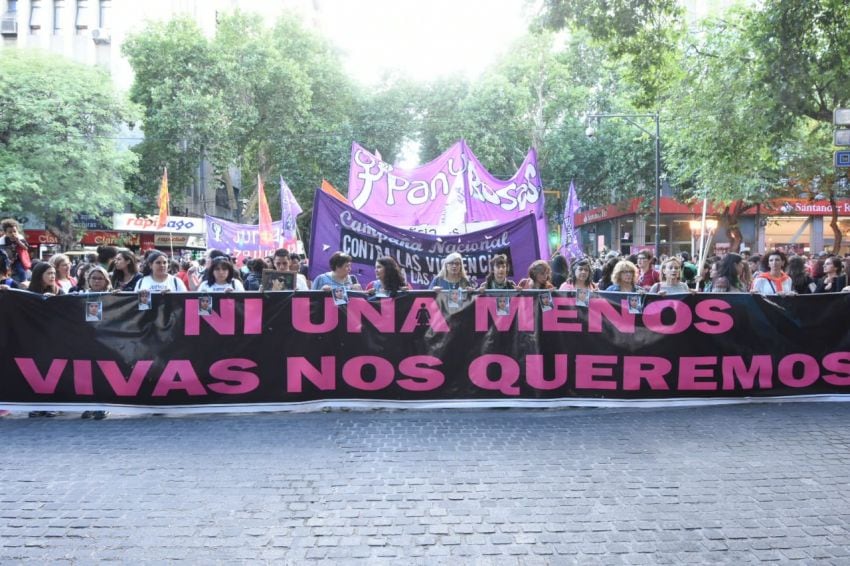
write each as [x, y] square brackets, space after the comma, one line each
[340, 295]
[503, 305]
[144, 300]
[205, 305]
[455, 299]
[94, 311]
[545, 299]
[635, 303]
[277, 280]
[582, 297]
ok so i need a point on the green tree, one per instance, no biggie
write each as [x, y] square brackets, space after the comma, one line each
[59, 122]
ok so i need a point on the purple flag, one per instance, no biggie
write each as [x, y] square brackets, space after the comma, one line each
[240, 240]
[338, 227]
[289, 210]
[570, 241]
[453, 194]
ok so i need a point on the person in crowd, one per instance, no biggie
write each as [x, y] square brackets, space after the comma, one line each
[722, 285]
[16, 249]
[282, 261]
[62, 264]
[155, 276]
[221, 278]
[452, 274]
[703, 281]
[44, 280]
[672, 284]
[125, 271]
[801, 282]
[772, 279]
[82, 273]
[105, 255]
[255, 274]
[833, 280]
[539, 276]
[560, 270]
[605, 280]
[579, 278]
[183, 272]
[98, 280]
[755, 264]
[389, 279]
[623, 278]
[689, 270]
[339, 275]
[731, 266]
[746, 275]
[647, 274]
[497, 278]
[6, 281]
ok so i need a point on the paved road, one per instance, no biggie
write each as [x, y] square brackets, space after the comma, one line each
[732, 484]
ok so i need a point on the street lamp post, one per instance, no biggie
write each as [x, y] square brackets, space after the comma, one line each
[591, 132]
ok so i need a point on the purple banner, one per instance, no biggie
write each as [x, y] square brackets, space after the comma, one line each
[240, 240]
[570, 241]
[452, 194]
[337, 227]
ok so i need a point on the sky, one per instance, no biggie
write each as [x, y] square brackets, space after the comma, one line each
[425, 39]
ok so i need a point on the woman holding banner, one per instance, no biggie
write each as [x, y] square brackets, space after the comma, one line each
[156, 277]
[389, 278]
[539, 276]
[498, 276]
[452, 274]
[339, 275]
[773, 280]
[579, 278]
[623, 278]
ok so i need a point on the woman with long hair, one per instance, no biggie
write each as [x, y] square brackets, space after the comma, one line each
[43, 280]
[731, 266]
[62, 264]
[389, 279]
[801, 281]
[580, 277]
[539, 276]
[125, 271]
[221, 277]
[155, 276]
[833, 281]
[497, 278]
[671, 282]
[624, 277]
[452, 274]
[98, 280]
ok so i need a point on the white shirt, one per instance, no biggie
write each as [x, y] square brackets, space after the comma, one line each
[171, 283]
[234, 285]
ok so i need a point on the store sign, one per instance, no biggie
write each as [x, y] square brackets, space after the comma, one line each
[174, 225]
[109, 238]
[179, 241]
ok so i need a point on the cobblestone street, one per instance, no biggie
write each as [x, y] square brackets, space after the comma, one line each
[727, 484]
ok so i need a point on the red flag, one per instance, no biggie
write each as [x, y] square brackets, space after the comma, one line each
[163, 200]
[267, 235]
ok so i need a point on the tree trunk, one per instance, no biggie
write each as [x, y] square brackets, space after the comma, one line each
[65, 230]
[231, 195]
[836, 230]
[732, 215]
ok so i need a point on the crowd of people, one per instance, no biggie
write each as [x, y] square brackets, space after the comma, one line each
[114, 270]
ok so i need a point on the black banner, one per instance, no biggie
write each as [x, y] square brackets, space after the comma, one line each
[250, 351]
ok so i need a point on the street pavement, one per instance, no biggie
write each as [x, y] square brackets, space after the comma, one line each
[725, 484]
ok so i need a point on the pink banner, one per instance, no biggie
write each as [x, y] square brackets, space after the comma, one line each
[453, 194]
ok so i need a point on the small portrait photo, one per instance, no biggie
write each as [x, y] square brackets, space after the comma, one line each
[144, 300]
[503, 305]
[455, 298]
[94, 311]
[278, 280]
[582, 297]
[340, 295]
[546, 301]
[205, 305]
[635, 303]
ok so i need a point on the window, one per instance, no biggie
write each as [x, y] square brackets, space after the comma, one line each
[12, 7]
[103, 13]
[82, 19]
[58, 9]
[35, 14]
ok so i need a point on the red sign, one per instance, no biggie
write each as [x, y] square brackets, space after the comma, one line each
[109, 238]
[36, 237]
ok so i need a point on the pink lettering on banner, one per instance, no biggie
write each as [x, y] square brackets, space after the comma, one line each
[508, 373]
[298, 369]
[302, 322]
[222, 320]
[735, 370]
[380, 314]
[590, 368]
[425, 311]
[125, 386]
[691, 370]
[520, 309]
[787, 366]
[82, 377]
[620, 318]
[179, 375]
[43, 384]
[838, 362]
[536, 377]
[352, 373]
[234, 381]
[714, 320]
[652, 315]
[253, 316]
[420, 374]
[563, 310]
[649, 369]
